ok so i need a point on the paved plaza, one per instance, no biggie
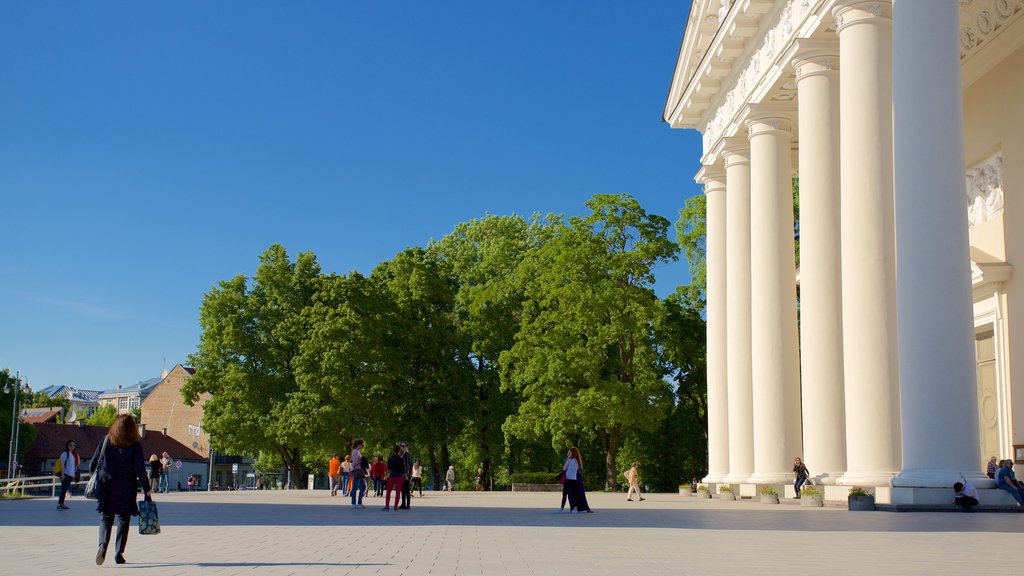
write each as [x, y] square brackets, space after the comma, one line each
[304, 532]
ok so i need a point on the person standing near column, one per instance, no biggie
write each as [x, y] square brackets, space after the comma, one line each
[67, 472]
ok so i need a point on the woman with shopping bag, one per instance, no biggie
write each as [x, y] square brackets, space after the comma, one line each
[122, 469]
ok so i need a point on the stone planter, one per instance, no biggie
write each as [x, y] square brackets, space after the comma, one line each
[861, 503]
[769, 498]
[684, 490]
[726, 495]
[703, 494]
[812, 500]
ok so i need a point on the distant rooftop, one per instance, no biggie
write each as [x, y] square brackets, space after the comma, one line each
[143, 388]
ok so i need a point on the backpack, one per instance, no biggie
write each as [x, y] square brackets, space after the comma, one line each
[58, 468]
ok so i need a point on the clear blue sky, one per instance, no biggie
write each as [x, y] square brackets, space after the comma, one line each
[149, 150]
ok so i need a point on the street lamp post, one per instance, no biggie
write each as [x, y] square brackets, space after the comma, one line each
[15, 423]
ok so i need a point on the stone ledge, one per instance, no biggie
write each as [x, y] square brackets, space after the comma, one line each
[536, 487]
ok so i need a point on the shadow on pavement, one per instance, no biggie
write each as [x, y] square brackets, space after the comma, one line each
[242, 564]
[783, 519]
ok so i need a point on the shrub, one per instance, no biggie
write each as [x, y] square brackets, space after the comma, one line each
[702, 487]
[810, 491]
[725, 488]
[535, 477]
[768, 491]
[858, 491]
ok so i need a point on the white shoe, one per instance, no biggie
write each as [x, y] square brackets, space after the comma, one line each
[573, 511]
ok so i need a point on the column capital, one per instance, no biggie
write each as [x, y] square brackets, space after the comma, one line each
[850, 12]
[813, 57]
[736, 150]
[767, 118]
[711, 176]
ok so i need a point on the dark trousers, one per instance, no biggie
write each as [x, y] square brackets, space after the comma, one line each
[581, 493]
[65, 488]
[106, 522]
[798, 484]
[406, 492]
[966, 502]
[416, 484]
[569, 489]
[378, 486]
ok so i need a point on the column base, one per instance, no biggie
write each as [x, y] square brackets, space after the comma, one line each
[714, 479]
[939, 478]
[879, 478]
[771, 478]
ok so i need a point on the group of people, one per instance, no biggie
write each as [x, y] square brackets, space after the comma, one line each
[573, 489]
[399, 473]
[160, 472]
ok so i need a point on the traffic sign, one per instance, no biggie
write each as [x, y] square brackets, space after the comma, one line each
[234, 468]
[177, 463]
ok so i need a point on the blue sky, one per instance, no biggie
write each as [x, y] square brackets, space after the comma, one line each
[149, 150]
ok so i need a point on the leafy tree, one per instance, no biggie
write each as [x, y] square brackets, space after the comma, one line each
[691, 235]
[103, 416]
[44, 400]
[252, 333]
[584, 360]
[27, 433]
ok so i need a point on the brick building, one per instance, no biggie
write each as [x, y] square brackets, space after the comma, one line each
[164, 410]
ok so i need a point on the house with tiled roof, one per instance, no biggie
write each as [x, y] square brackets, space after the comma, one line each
[83, 402]
[127, 398]
[46, 415]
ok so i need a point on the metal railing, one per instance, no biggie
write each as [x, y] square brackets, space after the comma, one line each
[20, 484]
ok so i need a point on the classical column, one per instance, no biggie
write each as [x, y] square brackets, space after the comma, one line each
[821, 302]
[775, 359]
[933, 281]
[870, 355]
[737, 264]
[713, 178]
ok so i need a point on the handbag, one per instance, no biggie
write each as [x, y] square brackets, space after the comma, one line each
[93, 486]
[149, 518]
[561, 478]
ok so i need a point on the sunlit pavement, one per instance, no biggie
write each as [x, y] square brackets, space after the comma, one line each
[309, 532]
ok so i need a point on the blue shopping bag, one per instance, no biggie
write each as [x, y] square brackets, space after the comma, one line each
[149, 520]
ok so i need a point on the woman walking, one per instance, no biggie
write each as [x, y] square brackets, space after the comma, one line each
[571, 469]
[122, 470]
[801, 475]
[396, 476]
[379, 473]
[156, 467]
[581, 492]
[633, 476]
[449, 479]
[346, 472]
[67, 472]
[417, 477]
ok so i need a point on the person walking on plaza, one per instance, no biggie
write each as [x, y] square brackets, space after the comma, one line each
[346, 475]
[67, 472]
[165, 476]
[407, 483]
[801, 475]
[478, 482]
[358, 473]
[965, 496]
[633, 477]
[416, 479]
[570, 470]
[379, 473]
[156, 470]
[1006, 480]
[581, 490]
[396, 476]
[122, 470]
[334, 473]
[449, 479]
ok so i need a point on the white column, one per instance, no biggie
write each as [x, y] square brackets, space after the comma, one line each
[821, 302]
[937, 366]
[775, 357]
[713, 178]
[737, 263]
[870, 356]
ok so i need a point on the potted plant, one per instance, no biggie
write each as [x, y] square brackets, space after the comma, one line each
[725, 492]
[860, 499]
[811, 496]
[703, 491]
[769, 495]
[684, 489]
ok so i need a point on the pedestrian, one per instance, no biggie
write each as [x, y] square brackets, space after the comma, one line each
[449, 479]
[990, 470]
[156, 470]
[78, 470]
[122, 472]
[68, 469]
[407, 483]
[1006, 480]
[965, 496]
[633, 477]
[334, 473]
[801, 473]
[191, 482]
[570, 470]
[379, 473]
[581, 490]
[346, 476]
[165, 476]
[478, 483]
[396, 476]
[357, 473]
[417, 477]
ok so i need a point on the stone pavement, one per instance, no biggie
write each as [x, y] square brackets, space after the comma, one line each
[303, 532]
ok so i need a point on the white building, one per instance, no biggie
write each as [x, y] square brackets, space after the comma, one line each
[127, 398]
[903, 121]
[83, 402]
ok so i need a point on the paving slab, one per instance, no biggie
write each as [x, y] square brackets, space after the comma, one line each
[506, 534]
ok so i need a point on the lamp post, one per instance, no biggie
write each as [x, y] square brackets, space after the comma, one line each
[15, 423]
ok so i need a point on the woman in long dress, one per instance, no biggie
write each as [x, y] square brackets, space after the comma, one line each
[123, 471]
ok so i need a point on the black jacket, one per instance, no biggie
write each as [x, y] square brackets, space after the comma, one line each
[123, 471]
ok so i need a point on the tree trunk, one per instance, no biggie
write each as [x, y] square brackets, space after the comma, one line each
[434, 472]
[610, 469]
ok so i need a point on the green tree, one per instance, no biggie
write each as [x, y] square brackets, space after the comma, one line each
[44, 400]
[584, 360]
[27, 433]
[691, 235]
[103, 416]
[252, 330]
